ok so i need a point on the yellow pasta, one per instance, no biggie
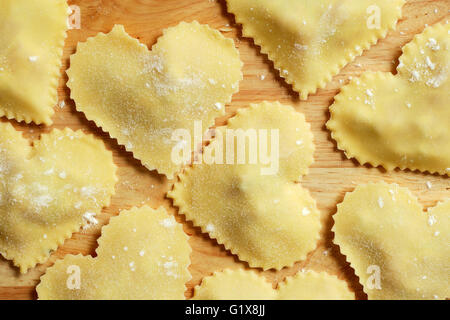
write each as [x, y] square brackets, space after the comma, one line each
[398, 251]
[143, 254]
[400, 121]
[32, 35]
[264, 217]
[310, 41]
[247, 285]
[49, 190]
[141, 97]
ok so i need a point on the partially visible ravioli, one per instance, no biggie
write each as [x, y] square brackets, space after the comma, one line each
[398, 251]
[310, 41]
[32, 37]
[264, 217]
[143, 97]
[312, 285]
[143, 254]
[247, 285]
[403, 120]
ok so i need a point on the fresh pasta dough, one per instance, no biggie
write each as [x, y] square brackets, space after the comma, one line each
[247, 285]
[398, 251]
[49, 190]
[32, 35]
[268, 220]
[142, 97]
[310, 41]
[143, 254]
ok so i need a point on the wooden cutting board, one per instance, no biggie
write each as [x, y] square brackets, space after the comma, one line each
[329, 179]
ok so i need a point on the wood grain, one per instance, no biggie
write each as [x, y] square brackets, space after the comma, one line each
[330, 177]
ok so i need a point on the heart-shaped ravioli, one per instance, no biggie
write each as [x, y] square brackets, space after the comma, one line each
[397, 250]
[49, 190]
[247, 285]
[142, 97]
[143, 254]
[309, 41]
[32, 37]
[244, 193]
[400, 120]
